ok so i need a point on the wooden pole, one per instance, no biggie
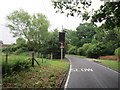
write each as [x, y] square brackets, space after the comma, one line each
[6, 62]
[61, 52]
[42, 58]
[32, 59]
[51, 56]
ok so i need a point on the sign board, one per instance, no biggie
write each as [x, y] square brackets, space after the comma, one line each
[61, 36]
[61, 46]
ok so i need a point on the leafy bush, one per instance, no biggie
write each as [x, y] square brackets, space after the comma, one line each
[85, 48]
[21, 50]
[96, 50]
[79, 51]
[117, 52]
[72, 50]
[17, 67]
[109, 50]
[10, 48]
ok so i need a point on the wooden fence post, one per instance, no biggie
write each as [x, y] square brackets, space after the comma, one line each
[32, 59]
[6, 62]
[42, 58]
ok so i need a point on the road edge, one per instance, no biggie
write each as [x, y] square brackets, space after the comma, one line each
[68, 76]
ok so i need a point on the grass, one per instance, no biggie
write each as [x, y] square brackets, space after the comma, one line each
[47, 75]
[12, 59]
[15, 63]
[106, 62]
[78, 56]
[111, 64]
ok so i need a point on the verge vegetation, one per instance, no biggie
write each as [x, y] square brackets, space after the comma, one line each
[20, 74]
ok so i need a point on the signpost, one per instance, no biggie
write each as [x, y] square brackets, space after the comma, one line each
[62, 40]
[61, 50]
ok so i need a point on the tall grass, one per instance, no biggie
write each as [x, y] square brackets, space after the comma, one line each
[47, 75]
[14, 64]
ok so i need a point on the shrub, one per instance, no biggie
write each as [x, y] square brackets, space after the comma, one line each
[117, 53]
[21, 50]
[17, 67]
[72, 50]
[85, 48]
[109, 50]
[96, 50]
[10, 48]
[79, 51]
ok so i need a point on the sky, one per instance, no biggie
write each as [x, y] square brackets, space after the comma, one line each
[37, 6]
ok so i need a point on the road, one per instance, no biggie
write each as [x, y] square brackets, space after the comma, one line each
[87, 74]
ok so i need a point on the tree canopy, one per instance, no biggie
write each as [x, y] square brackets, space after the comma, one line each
[109, 13]
[34, 28]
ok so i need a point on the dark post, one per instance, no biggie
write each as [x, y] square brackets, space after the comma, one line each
[32, 59]
[42, 58]
[6, 62]
[62, 40]
[62, 37]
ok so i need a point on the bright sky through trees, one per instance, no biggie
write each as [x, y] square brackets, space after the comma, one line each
[37, 6]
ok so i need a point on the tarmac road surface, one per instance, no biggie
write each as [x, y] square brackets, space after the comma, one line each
[87, 74]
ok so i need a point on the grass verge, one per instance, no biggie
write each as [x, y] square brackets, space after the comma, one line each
[111, 64]
[47, 75]
[106, 62]
[78, 56]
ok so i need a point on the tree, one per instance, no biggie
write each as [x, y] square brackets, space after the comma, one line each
[112, 36]
[72, 7]
[20, 41]
[52, 44]
[72, 37]
[96, 50]
[85, 48]
[72, 50]
[109, 13]
[33, 28]
[85, 33]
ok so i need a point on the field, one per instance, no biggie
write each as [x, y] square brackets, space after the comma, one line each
[47, 75]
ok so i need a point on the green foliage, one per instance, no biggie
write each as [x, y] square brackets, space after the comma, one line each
[100, 35]
[109, 50]
[117, 52]
[10, 48]
[21, 50]
[71, 8]
[33, 28]
[112, 64]
[96, 50]
[47, 75]
[109, 12]
[83, 41]
[80, 51]
[15, 64]
[85, 33]
[85, 48]
[52, 45]
[20, 41]
[86, 30]
[72, 37]
[72, 50]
